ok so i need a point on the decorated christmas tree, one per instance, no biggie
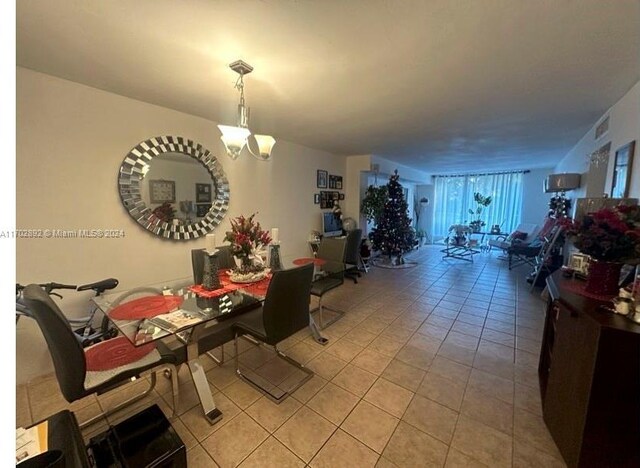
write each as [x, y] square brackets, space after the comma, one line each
[393, 235]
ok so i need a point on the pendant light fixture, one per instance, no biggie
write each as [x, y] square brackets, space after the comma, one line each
[235, 138]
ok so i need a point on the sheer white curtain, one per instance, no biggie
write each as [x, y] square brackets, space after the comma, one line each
[453, 198]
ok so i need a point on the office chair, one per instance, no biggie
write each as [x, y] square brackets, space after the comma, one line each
[285, 312]
[82, 372]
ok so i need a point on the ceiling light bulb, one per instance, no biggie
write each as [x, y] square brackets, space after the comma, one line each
[265, 144]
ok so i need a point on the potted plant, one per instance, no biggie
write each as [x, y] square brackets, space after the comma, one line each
[481, 203]
[373, 202]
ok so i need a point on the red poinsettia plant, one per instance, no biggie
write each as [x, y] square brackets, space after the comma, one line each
[610, 234]
[246, 236]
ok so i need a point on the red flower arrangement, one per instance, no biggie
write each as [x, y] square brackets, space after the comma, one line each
[246, 236]
[610, 235]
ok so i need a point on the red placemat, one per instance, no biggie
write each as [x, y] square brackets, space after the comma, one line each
[307, 260]
[114, 353]
[259, 287]
[145, 307]
[578, 288]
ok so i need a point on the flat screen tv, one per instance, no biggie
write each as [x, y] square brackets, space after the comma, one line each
[331, 225]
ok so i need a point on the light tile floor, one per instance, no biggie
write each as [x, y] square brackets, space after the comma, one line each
[434, 365]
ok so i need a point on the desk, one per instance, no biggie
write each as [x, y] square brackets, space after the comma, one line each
[136, 312]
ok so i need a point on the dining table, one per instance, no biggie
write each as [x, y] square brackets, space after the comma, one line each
[179, 308]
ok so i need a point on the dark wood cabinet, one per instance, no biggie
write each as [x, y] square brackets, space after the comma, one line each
[590, 380]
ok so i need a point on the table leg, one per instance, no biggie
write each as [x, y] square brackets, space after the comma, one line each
[211, 413]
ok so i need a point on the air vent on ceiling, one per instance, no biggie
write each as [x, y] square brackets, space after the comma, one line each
[602, 128]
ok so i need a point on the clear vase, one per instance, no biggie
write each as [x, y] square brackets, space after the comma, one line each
[246, 264]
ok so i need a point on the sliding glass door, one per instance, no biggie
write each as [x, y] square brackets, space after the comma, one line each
[454, 197]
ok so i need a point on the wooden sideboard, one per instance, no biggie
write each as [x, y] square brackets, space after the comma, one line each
[590, 380]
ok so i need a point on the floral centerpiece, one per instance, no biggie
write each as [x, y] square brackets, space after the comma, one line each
[458, 234]
[248, 239]
[611, 237]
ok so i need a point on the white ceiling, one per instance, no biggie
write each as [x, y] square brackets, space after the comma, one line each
[438, 85]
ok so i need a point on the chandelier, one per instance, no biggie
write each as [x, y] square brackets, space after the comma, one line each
[236, 138]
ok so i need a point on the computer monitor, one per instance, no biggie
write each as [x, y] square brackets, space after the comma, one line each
[331, 225]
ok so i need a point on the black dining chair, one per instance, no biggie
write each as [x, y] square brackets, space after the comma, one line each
[285, 312]
[76, 370]
[352, 255]
[211, 339]
[332, 251]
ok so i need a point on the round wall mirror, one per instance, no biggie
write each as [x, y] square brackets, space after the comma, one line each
[174, 188]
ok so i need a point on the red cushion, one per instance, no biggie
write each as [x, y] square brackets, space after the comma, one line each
[546, 228]
[518, 235]
[114, 353]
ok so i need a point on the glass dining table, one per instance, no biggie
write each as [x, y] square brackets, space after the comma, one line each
[180, 309]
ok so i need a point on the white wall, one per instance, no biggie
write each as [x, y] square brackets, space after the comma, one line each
[71, 140]
[356, 186]
[624, 126]
[408, 174]
[535, 203]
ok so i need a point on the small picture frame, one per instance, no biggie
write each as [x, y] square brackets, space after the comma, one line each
[202, 209]
[321, 178]
[326, 200]
[316, 198]
[162, 191]
[342, 196]
[579, 263]
[203, 193]
[332, 181]
[338, 182]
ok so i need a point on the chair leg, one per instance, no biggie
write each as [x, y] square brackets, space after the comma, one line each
[282, 395]
[214, 358]
[321, 308]
[130, 401]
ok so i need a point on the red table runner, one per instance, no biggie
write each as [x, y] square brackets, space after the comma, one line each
[257, 288]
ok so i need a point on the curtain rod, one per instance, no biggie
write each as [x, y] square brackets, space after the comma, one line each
[526, 171]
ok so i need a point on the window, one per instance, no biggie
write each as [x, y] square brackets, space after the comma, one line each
[454, 197]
